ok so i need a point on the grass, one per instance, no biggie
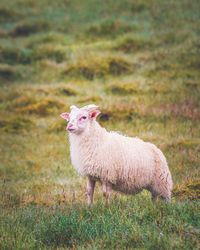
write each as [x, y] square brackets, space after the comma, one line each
[137, 60]
[95, 65]
[130, 227]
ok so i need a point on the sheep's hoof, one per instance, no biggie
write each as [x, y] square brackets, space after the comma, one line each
[90, 206]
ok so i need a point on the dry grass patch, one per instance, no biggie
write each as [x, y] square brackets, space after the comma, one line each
[51, 52]
[90, 99]
[128, 109]
[52, 37]
[57, 126]
[15, 124]
[185, 109]
[43, 107]
[189, 190]
[96, 66]
[124, 88]
[130, 44]
[66, 91]
[21, 102]
[118, 110]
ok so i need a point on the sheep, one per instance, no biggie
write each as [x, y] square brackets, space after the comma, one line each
[119, 162]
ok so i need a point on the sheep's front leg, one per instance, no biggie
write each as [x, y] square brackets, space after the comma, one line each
[90, 190]
[107, 190]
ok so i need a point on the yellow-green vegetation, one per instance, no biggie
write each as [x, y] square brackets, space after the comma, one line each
[140, 62]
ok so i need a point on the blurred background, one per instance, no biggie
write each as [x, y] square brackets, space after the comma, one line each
[138, 60]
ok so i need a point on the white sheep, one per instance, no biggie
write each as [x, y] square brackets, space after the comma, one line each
[121, 163]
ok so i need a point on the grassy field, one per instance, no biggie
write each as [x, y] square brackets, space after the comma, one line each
[140, 62]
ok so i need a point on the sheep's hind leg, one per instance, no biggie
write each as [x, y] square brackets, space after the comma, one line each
[107, 190]
[90, 190]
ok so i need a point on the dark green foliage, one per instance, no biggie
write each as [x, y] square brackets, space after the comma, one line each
[7, 14]
[125, 224]
[27, 56]
[15, 55]
[8, 73]
[109, 28]
[26, 28]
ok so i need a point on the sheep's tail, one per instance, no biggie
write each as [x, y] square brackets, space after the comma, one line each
[162, 182]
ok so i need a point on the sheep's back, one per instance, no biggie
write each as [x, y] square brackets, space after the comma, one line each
[127, 163]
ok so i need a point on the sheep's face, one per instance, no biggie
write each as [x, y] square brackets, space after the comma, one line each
[78, 119]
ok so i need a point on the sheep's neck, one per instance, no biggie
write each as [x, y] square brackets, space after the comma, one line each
[91, 137]
[86, 146]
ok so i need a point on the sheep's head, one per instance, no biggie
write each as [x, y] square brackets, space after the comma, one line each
[79, 118]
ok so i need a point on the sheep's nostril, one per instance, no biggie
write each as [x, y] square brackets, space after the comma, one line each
[70, 127]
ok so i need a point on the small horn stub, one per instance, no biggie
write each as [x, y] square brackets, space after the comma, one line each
[73, 107]
[90, 107]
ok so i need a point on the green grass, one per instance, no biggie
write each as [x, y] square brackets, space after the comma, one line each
[132, 226]
[140, 62]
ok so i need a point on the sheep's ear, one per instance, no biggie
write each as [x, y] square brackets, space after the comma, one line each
[93, 110]
[94, 113]
[65, 116]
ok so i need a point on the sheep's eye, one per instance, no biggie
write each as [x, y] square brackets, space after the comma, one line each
[83, 117]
